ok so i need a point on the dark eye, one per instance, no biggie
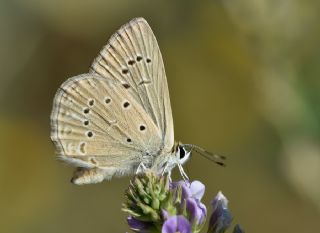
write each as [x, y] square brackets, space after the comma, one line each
[182, 152]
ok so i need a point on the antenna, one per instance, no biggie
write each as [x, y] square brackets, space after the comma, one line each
[217, 159]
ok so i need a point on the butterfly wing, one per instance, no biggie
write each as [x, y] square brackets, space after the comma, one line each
[132, 57]
[96, 123]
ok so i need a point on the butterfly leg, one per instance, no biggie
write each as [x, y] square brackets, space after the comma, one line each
[169, 176]
[165, 169]
[183, 174]
[141, 168]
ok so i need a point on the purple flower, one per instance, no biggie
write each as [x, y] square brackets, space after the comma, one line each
[195, 189]
[221, 218]
[184, 188]
[176, 224]
[191, 196]
[164, 214]
[196, 210]
[153, 207]
[139, 226]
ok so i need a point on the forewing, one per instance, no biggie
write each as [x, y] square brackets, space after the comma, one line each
[133, 58]
[96, 123]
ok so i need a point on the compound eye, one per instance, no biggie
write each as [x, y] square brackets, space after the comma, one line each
[182, 152]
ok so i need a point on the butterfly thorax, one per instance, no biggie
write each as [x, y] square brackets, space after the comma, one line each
[166, 161]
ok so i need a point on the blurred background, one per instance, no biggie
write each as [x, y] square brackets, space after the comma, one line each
[244, 82]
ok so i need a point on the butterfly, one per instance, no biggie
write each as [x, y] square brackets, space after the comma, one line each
[116, 119]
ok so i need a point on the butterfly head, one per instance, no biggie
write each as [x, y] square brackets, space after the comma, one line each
[182, 153]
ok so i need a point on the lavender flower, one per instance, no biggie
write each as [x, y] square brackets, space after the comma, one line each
[194, 190]
[197, 211]
[139, 226]
[221, 217]
[175, 224]
[191, 200]
[155, 205]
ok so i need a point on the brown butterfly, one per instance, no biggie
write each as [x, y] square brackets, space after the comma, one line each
[116, 120]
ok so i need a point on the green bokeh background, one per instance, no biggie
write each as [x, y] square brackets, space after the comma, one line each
[244, 82]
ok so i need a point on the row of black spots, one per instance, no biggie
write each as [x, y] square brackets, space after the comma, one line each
[108, 100]
[138, 59]
[142, 128]
[86, 110]
[126, 104]
[132, 62]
